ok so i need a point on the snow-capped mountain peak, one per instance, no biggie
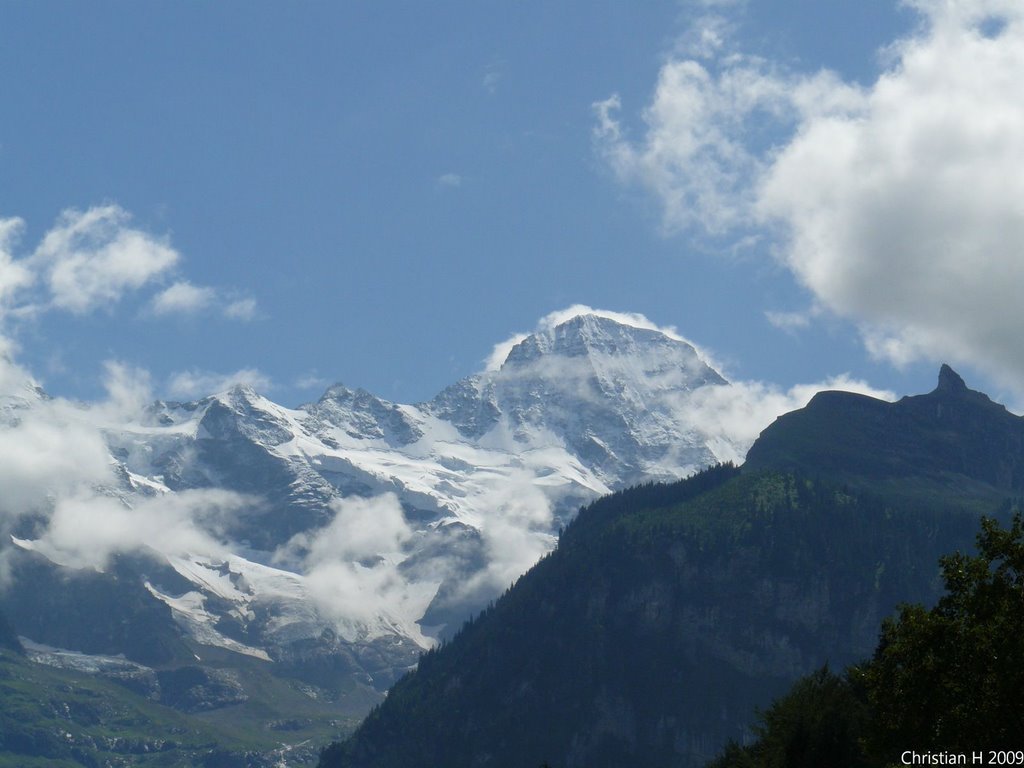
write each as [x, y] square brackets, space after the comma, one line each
[587, 334]
[610, 391]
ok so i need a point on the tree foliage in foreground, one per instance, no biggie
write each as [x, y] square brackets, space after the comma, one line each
[949, 679]
[952, 678]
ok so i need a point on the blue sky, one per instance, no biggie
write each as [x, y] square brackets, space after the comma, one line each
[379, 192]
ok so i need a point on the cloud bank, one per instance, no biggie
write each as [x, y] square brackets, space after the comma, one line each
[59, 478]
[896, 204]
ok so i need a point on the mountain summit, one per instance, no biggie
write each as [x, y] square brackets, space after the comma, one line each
[611, 392]
[953, 443]
[950, 380]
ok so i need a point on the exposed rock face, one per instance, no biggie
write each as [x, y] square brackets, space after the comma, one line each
[198, 689]
[950, 381]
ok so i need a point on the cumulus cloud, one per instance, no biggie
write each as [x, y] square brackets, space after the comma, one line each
[183, 298]
[196, 383]
[917, 228]
[895, 204]
[694, 156]
[91, 258]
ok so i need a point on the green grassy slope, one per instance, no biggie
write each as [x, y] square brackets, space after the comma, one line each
[56, 717]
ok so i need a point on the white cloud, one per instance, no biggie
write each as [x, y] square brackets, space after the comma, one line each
[48, 454]
[789, 321]
[710, 30]
[91, 258]
[516, 534]
[183, 298]
[493, 74]
[15, 381]
[905, 212]
[197, 383]
[500, 352]
[14, 274]
[449, 180]
[351, 565]
[56, 466]
[694, 155]
[129, 392]
[87, 528]
[896, 204]
[633, 319]
[241, 309]
[361, 529]
[311, 380]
